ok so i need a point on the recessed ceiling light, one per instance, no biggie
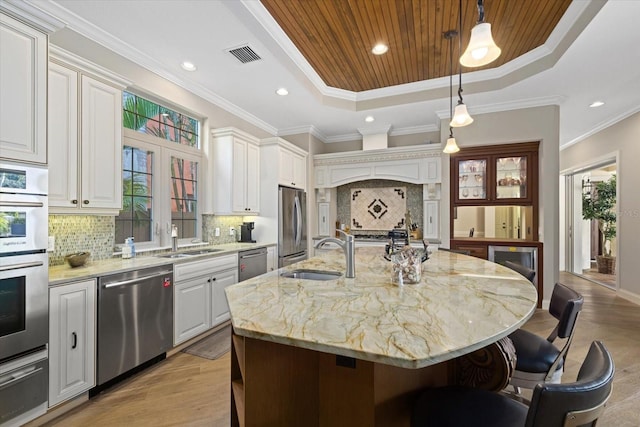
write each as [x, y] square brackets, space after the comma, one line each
[596, 104]
[369, 119]
[380, 49]
[189, 66]
[282, 91]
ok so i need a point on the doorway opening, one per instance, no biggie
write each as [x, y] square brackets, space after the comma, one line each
[584, 243]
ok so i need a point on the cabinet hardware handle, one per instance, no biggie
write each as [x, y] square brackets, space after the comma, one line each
[214, 279]
[74, 337]
[86, 202]
[74, 201]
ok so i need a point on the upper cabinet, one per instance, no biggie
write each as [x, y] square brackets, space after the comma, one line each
[85, 142]
[23, 85]
[292, 168]
[234, 160]
[495, 175]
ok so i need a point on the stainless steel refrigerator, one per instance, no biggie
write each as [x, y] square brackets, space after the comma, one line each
[292, 226]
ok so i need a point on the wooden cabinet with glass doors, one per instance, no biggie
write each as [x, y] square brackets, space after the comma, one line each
[495, 175]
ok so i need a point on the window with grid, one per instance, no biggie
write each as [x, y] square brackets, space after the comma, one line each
[159, 174]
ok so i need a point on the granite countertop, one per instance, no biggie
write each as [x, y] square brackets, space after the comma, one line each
[61, 274]
[461, 304]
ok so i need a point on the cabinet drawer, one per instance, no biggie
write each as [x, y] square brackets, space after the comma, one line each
[204, 267]
[476, 251]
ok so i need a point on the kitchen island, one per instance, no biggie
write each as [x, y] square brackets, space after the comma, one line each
[355, 351]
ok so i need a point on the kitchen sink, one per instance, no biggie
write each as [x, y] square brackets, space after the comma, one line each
[201, 251]
[188, 254]
[312, 274]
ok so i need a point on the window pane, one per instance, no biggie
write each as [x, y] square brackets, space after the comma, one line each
[184, 179]
[135, 218]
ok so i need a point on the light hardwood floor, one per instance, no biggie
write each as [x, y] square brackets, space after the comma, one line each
[187, 390]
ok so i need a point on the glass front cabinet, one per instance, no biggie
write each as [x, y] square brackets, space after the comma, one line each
[495, 175]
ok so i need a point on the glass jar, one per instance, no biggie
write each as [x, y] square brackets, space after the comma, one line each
[406, 266]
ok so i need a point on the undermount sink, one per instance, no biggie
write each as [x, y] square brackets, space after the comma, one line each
[311, 274]
[201, 251]
[187, 254]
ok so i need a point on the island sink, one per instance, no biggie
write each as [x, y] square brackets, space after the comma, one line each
[312, 274]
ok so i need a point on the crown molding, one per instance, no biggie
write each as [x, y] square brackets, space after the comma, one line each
[92, 32]
[68, 58]
[386, 154]
[375, 130]
[601, 126]
[26, 12]
[505, 106]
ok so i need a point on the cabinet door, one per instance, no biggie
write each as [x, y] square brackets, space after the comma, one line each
[239, 176]
[512, 178]
[101, 147]
[272, 258]
[431, 219]
[220, 307]
[72, 320]
[191, 310]
[323, 220]
[285, 167]
[252, 191]
[63, 137]
[470, 180]
[23, 85]
[299, 172]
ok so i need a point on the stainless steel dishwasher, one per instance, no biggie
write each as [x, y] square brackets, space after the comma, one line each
[135, 319]
[252, 263]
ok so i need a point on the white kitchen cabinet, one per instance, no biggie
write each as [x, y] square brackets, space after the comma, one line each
[192, 310]
[23, 85]
[272, 258]
[199, 299]
[219, 304]
[323, 219]
[431, 212]
[85, 142]
[234, 159]
[292, 170]
[72, 340]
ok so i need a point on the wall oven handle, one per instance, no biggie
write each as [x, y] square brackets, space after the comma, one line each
[135, 280]
[22, 204]
[21, 265]
[21, 376]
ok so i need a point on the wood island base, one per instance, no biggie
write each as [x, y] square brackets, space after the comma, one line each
[275, 384]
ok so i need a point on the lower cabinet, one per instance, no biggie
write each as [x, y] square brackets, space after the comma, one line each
[272, 258]
[199, 299]
[72, 340]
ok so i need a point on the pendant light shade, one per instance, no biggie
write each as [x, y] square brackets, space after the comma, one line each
[451, 146]
[461, 116]
[482, 49]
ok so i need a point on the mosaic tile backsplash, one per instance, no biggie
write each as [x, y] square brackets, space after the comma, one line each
[76, 233]
[413, 201]
[210, 222]
[378, 208]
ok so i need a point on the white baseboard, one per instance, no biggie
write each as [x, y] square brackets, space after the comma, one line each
[629, 296]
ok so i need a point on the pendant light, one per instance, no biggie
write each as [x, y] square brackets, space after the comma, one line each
[482, 49]
[451, 146]
[461, 116]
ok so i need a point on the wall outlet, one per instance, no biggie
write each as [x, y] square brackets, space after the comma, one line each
[217, 232]
[232, 231]
[52, 243]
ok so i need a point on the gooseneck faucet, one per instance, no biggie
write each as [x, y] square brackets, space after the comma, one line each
[348, 246]
[174, 237]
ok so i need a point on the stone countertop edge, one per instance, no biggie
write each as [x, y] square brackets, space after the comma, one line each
[461, 304]
[62, 274]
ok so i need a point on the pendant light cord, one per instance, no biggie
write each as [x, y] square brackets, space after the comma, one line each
[449, 35]
[460, 48]
[480, 12]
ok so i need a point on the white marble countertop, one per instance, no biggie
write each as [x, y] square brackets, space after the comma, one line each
[461, 304]
[61, 274]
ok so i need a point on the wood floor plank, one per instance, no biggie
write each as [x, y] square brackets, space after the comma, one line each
[187, 390]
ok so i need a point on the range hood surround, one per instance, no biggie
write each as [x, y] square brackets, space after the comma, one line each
[414, 164]
[375, 138]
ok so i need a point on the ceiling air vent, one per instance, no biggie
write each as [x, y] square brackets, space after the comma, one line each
[244, 54]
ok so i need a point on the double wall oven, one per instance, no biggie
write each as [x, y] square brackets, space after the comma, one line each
[24, 296]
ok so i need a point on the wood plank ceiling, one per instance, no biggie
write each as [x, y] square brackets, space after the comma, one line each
[336, 36]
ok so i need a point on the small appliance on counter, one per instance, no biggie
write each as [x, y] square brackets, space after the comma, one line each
[245, 232]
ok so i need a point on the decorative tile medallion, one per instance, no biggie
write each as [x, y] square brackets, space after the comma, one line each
[378, 208]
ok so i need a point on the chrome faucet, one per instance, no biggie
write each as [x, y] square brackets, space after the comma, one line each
[348, 246]
[174, 237]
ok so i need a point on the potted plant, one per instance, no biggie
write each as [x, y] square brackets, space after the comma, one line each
[599, 204]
